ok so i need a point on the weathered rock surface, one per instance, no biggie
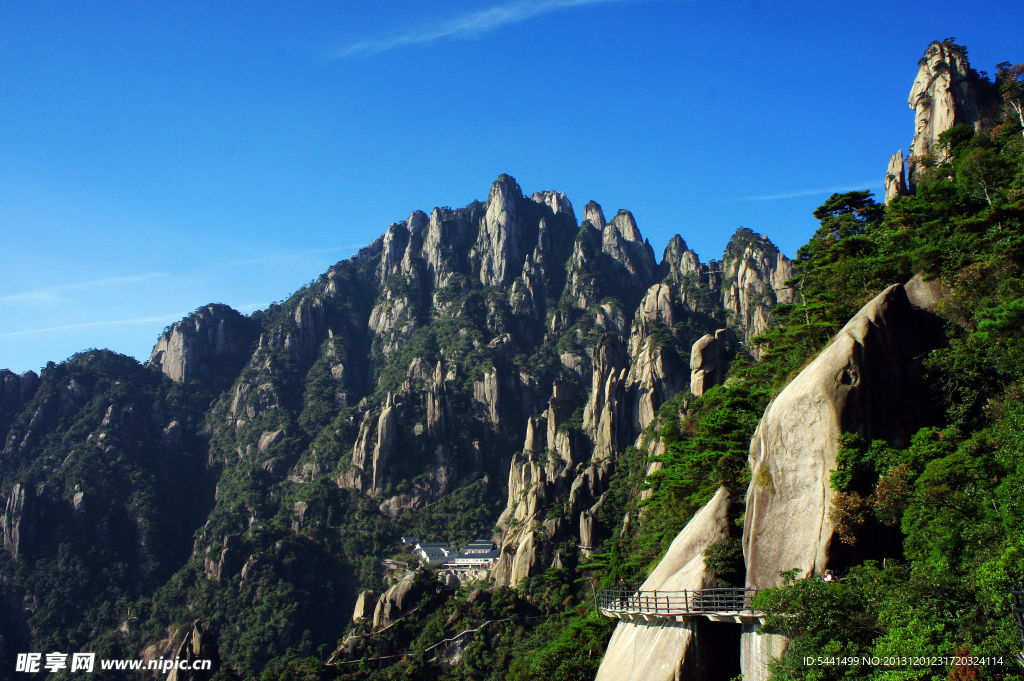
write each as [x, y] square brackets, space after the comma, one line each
[942, 96]
[503, 241]
[189, 345]
[364, 603]
[398, 600]
[16, 389]
[707, 362]
[896, 178]
[756, 273]
[652, 651]
[868, 380]
[15, 520]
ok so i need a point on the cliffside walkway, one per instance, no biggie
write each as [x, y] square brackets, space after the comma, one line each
[719, 605]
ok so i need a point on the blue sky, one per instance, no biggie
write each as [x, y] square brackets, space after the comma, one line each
[158, 156]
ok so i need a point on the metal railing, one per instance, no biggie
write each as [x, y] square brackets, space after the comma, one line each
[626, 600]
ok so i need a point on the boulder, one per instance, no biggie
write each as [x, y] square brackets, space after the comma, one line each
[661, 651]
[868, 380]
[364, 601]
[707, 362]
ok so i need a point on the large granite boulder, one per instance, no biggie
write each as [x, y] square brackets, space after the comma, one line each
[868, 380]
[665, 650]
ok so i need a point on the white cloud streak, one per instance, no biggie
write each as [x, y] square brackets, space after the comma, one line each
[164, 319]
[468, 25]
[872, 184]
[51, 294]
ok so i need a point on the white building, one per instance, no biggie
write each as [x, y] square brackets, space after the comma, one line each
[480, 554]
[435, 552]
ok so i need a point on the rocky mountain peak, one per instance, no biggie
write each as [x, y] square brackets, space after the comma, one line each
[679, 259]
[941, 96]
[755, 274]
[556, 201]
[592, 211]
[212, 331]
[501, 245]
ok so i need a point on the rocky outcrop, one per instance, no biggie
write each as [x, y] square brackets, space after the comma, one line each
[364, 603]
[895, 178]
[755, 273]
[486, 393]
[942, 96]
[214, 331]
[198, 644]
[707, 362]
[386, 436]
[557, 201]
[15, 520]
[868, 380]
[658, 650]
[398, 600]
[622, 241]
[605, 414]
[503, 241]
[17, 389]
[431, 487]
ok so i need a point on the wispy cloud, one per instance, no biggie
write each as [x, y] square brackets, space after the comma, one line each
[52, 294]
[86, 325]
[467, 25]
[871, 184]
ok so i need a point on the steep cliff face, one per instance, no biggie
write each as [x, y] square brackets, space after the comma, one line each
[213, 335]
[941, 97]
[755, 281]
[944, 94]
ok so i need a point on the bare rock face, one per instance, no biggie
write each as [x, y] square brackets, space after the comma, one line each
[756, 273]
[941, 98]
[14, 521]
[396, 241]
[866, 381]
[364, 603]
[486, 392]
[269, 438]
[679, 259]
[212, 331]
[707, 363]
[502, 243]
[525, 562]
[558, 202]
[656, 373]
[621, 239]
[895, 178]
[386, 435]
[658, 305]
[592, 211]
[16, 389]
[397, 600]
[659, 651]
